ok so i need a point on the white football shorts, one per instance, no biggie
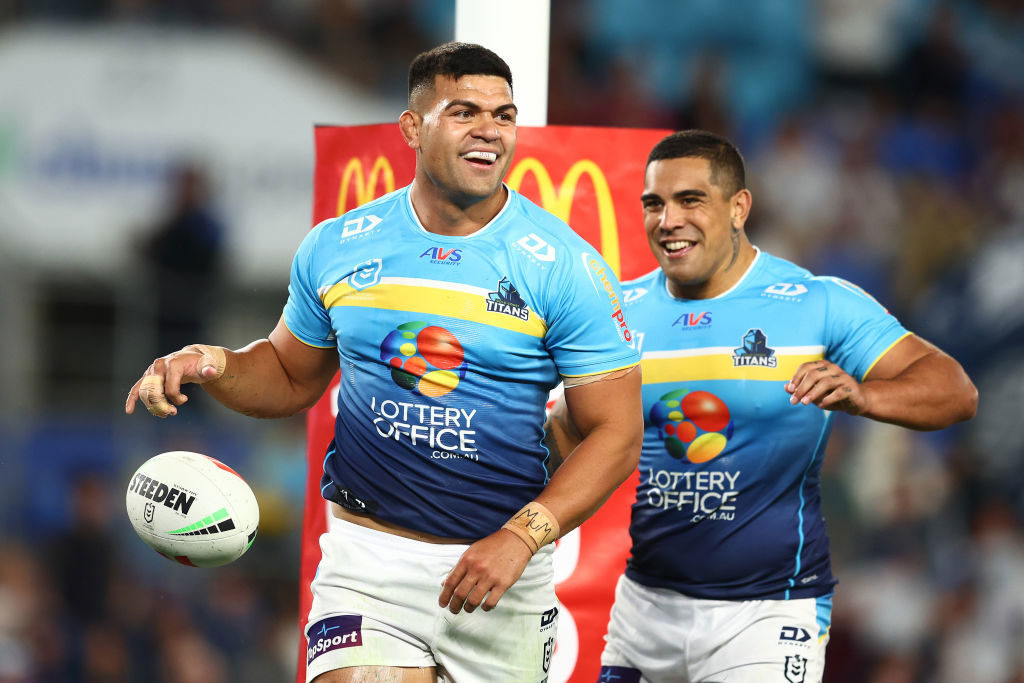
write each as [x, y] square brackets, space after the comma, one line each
[661, 636]
[375, 604]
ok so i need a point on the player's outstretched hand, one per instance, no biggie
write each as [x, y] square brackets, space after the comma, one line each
[827, 386]
[159, 388]
[485, 570]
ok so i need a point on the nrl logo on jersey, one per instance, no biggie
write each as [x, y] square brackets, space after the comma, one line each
[755, 351]
[507, 301]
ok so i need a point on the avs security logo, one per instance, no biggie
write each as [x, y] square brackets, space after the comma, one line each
[425, 359]
[754, 352]
[333, 633]
[443, 257]
[695, 425]
[507, 301]
[693, 321]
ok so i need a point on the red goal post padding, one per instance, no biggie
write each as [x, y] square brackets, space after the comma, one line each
[592, 179]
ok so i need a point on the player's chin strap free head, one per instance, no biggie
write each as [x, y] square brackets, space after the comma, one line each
[151, 389]
[535, 525]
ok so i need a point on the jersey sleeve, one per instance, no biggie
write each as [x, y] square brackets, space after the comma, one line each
[304, 312]
[587, 329]
[859, 330]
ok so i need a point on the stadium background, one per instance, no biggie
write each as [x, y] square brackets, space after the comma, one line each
[885, 141]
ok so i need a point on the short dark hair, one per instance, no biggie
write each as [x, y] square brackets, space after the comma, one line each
[454, 60]
[727, 168]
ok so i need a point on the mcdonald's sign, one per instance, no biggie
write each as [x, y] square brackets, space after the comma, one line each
[365, 186]
[559, 202]
[592, 179]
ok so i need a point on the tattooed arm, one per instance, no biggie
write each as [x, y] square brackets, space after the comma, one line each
[915, 384]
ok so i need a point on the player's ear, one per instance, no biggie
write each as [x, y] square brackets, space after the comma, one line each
[409, 123]
[739, 207]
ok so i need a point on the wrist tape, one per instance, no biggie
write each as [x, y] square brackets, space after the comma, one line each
[535, 525]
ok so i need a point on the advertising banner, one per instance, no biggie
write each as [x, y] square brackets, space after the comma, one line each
[591, 178]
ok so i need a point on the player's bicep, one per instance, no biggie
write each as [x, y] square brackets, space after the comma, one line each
[609, 403]
[309, 368]
[900, 356]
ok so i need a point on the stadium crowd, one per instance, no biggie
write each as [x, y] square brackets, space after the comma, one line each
[887, 141]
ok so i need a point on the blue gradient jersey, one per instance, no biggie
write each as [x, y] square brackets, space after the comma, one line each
[449, 347]
[728, 504]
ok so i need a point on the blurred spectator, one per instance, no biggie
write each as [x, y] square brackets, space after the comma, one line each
[185, 257]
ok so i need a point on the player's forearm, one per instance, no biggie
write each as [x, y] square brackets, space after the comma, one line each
[933, 392]
[591, 473]
[256, 384]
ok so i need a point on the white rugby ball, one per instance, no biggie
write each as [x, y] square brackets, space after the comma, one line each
[192, 509]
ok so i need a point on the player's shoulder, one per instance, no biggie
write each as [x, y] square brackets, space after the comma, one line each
[362, 220]
[638, 290]
[784, 279]
[527, 217]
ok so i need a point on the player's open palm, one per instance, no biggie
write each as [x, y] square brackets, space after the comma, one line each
[827, 386]
[159, 388]
[484, 572]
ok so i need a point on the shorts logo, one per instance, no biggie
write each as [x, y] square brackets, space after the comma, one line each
[549, 649]
[426, 359]
[547, 620]
[334, 633]
[507, 301]
[795, 634]
[754, 352]
[796, 668]
[618, 674]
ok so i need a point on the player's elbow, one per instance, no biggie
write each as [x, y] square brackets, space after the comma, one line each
[968, 407]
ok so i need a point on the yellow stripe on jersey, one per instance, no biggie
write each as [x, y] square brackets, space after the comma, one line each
[432, 297]
[697, 365]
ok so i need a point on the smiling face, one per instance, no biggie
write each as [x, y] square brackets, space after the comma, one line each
[695, 230]
[464, 134]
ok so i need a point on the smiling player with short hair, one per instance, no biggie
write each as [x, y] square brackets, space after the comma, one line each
[437, 474]
[746, 358]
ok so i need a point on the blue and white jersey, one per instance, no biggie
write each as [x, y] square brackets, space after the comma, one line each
[728, 506]
[449, 347]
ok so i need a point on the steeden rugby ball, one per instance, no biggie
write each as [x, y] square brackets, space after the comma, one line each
[192, 509]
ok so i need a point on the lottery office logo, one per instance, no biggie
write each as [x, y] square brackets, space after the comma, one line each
[429, 362]
[695, 427]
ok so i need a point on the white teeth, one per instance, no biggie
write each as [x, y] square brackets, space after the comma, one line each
[489, 157]
[682, 244]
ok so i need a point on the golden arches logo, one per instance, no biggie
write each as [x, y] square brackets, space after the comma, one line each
[560, 202]
[365, 188]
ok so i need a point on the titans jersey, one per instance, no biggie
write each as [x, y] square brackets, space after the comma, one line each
[449, 347]
[728, 504]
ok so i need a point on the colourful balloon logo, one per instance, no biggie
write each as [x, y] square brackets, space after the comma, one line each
[695, 424]
[425, 359]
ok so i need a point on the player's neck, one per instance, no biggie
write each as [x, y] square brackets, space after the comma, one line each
[443, 215]
[721, 281]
